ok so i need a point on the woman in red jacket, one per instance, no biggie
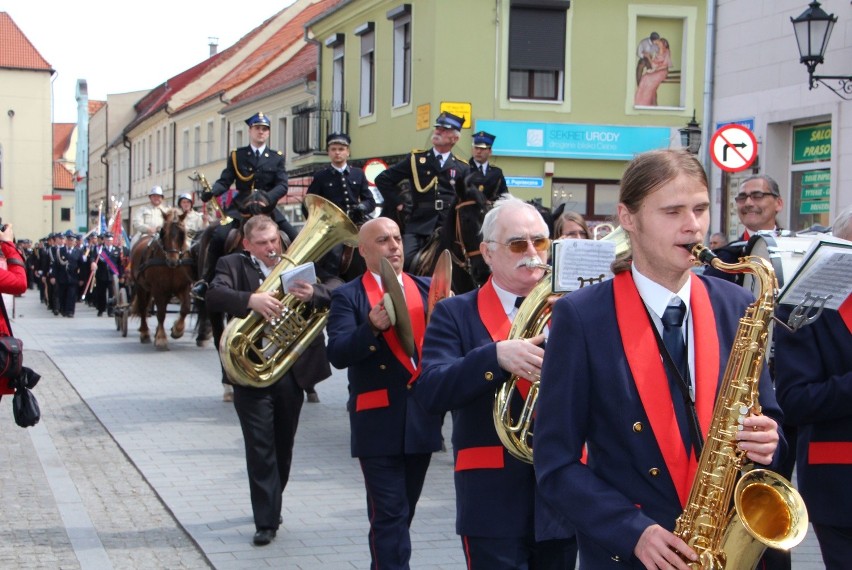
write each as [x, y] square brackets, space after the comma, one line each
[13, 280]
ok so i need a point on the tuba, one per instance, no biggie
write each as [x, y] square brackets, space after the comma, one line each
[257, 353]
[515, 430]
[767, 511]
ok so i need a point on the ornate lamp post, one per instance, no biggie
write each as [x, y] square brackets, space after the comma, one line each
[813, 30]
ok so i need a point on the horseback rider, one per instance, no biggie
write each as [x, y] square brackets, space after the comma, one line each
[193, 221]
[149, 219]
[260, 178]
[433, 175]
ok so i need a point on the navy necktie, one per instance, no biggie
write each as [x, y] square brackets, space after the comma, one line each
[673, 340]
[519, 301]
[673, 335]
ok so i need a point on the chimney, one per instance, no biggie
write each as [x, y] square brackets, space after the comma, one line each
[213, 43]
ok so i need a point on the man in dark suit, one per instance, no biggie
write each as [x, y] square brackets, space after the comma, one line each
[66, 268]
[260, 177]
[433, 176]
[342, 184]
[105, 262]
[813, 379]
[268, 415]
[485, 176]
[466, 357]
[605, 388]
[392, 436]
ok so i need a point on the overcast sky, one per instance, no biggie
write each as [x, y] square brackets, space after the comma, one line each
[119, 47]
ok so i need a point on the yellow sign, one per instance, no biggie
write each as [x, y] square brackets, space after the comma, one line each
[423, 117]
[462, 110]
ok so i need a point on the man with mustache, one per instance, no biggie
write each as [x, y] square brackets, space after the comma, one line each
[758, 202]
[466, 358]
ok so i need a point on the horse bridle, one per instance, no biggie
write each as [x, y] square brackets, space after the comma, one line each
[463, 263]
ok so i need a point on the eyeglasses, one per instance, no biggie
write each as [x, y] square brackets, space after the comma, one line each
[755, 196]
[520, 245]
[574, 234]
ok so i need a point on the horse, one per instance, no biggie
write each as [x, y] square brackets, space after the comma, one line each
[461, 234]
[161, 268]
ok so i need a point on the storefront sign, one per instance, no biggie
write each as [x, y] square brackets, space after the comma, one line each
[812, 143]
[816, 190]
[524, 182]
[562, 140]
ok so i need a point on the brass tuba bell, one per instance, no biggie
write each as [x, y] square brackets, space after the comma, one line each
[257, 353]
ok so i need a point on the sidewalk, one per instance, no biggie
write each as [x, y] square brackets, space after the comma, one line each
[137, 463]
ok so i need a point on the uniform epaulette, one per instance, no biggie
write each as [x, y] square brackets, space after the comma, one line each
[418, 150]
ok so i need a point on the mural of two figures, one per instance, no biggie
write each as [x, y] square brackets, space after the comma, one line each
[652, 69]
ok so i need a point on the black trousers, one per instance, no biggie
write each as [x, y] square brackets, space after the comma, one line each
[268, 417]
[101, 295]
[835, 543]
[484, 553]
[393, 484]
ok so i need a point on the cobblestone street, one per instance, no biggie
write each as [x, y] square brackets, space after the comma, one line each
[138, 464]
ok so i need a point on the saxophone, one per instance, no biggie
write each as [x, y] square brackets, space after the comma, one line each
[768, 511]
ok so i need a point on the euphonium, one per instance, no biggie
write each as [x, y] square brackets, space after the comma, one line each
[257, 353]
[515, 430]
[767, 511]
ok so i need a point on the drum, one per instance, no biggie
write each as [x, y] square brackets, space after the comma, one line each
[785, 253]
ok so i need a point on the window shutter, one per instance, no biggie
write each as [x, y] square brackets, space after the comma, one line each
[537, 39]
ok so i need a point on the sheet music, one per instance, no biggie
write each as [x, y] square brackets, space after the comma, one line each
[304, 272]
[581, 259]
[827, 270]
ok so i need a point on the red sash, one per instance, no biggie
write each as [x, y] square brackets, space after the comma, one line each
[497, 323]
[845, 311]
[416, 312]
[646, 366]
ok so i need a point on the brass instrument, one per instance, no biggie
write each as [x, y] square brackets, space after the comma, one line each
[396, 307]
[531, 319]
[442, 281]
[768, 511]
[212, 207]
[256, 353]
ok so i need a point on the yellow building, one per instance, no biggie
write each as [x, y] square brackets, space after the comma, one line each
[560, 83]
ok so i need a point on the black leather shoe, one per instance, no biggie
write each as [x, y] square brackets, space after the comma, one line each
[263, 537]
[199, 290]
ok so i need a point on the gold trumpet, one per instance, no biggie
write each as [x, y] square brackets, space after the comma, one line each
[212, 207]
[515, 429]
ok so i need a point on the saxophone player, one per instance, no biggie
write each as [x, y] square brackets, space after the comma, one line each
[631, 375]
[466, 358]
[268, 415]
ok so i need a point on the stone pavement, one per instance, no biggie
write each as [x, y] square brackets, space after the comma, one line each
[138, 464]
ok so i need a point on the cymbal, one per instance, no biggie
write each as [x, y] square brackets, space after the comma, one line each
[403, 321]
[442, 281]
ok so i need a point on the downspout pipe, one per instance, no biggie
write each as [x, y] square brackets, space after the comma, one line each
[707, 131]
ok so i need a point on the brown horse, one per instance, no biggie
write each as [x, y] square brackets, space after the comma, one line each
[161, 268]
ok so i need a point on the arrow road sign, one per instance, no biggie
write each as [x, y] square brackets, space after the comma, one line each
[733, 148]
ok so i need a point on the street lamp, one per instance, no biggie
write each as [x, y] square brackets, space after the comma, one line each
[690, 136]
[813, 29]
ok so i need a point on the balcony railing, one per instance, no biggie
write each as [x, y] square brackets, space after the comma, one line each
[312, 123]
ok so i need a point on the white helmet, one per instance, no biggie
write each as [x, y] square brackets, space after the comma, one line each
[185, 196]
[156, 191]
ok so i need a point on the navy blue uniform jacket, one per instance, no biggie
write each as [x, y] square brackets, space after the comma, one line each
[400, 426]
[343, 190]
[588, 395]
[813, 376]
[461, 374]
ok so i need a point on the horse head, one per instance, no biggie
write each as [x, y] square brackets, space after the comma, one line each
[470, 209]
[173, 237]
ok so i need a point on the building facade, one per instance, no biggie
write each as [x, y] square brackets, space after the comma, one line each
[560, 83]
[804, 136]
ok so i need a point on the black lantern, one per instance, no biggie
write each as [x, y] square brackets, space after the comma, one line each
[690, 136]
[813, 30]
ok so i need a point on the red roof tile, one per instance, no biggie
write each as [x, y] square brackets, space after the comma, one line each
[288, 35]
[62, 138]
[16, 51]
[62, 179]
[95, 106]
[301, 65]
